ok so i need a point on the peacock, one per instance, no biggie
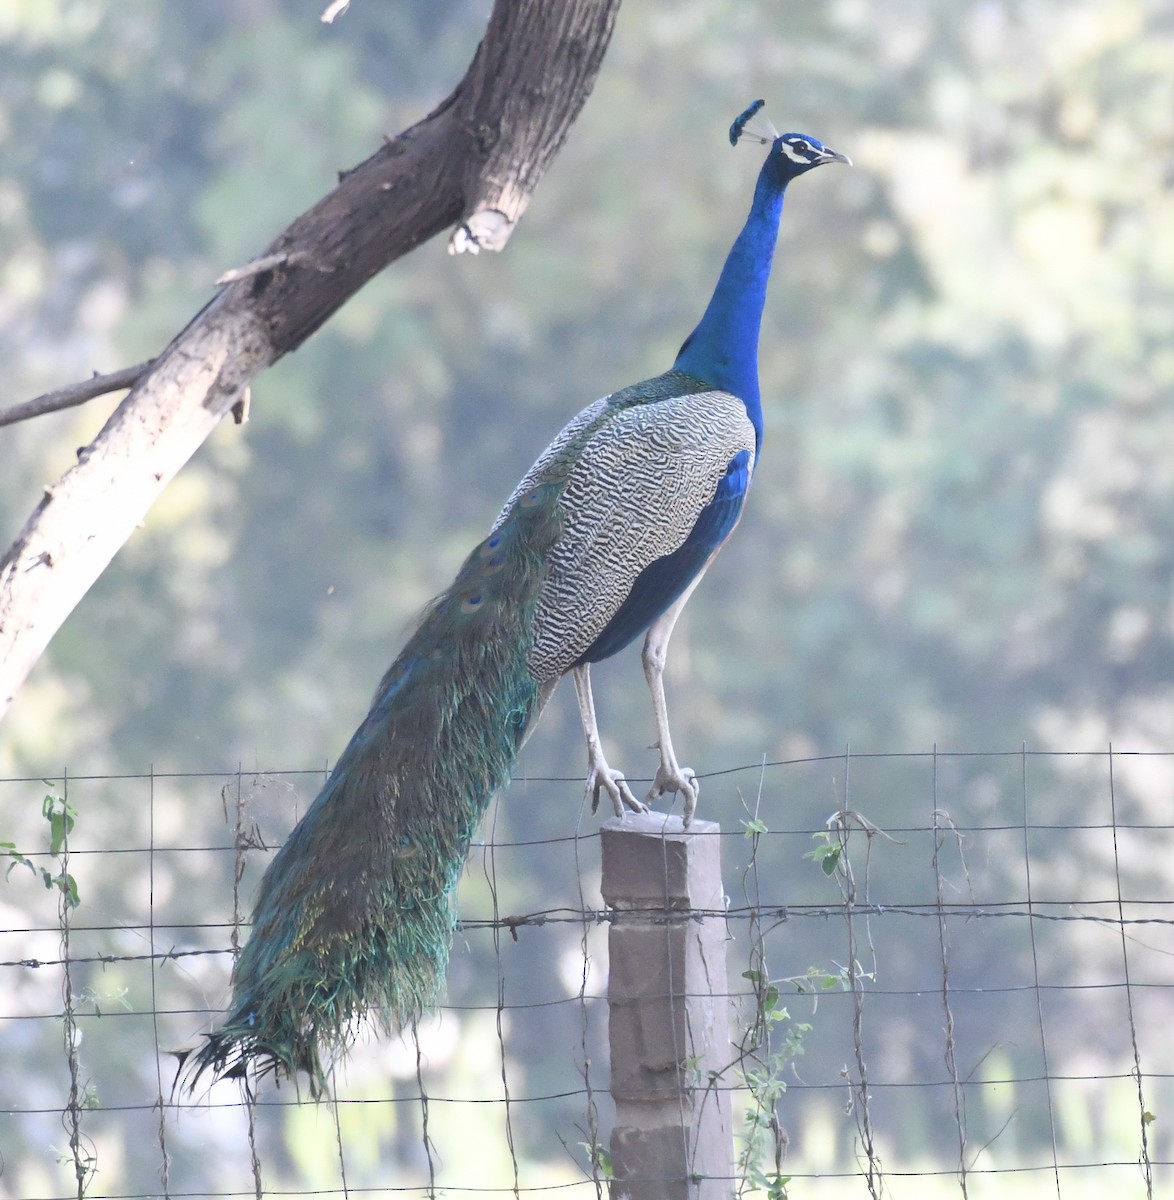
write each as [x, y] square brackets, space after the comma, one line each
[604, 539]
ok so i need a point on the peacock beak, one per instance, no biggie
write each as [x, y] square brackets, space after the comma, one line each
[829, 155]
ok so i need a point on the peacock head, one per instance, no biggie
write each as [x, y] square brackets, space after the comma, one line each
[791, 154]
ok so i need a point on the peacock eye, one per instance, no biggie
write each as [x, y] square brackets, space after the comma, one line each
[491, 554]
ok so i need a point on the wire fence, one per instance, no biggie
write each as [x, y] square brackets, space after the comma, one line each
[948, 974]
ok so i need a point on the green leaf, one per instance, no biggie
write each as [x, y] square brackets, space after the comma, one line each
[777, 1187]
[600, 1158]
[827, 854]
[60, 820]
[17, 859]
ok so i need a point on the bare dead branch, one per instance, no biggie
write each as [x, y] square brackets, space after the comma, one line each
[267, 262]
[76, 393]
[474, 160]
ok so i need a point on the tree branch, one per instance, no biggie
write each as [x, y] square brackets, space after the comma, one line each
[76, 393]
[474, 160]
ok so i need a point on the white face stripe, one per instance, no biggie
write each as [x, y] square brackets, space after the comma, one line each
[796, 157]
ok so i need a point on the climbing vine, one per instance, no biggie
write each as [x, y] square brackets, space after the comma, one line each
[60, 817]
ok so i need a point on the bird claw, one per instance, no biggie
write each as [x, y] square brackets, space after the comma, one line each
[602, 778]
[671, 777]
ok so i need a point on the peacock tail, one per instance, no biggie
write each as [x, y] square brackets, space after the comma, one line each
[354, 914]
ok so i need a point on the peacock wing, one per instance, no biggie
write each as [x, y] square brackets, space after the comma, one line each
[643, 484]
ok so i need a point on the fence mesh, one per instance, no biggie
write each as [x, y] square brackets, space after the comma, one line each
[949, 974]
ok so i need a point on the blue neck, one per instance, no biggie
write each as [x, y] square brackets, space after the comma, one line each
[723, 349]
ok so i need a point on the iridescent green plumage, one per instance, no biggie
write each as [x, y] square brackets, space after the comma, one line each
[354, 914]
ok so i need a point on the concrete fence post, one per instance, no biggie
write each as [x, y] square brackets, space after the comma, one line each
[668, 1009]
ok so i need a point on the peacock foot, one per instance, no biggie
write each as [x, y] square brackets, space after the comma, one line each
[672, 777]
[601, 777]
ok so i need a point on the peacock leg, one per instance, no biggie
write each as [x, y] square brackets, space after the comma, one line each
[599, 774]
[670, 775]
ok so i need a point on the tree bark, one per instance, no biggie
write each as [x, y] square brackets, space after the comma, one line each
[473, 162]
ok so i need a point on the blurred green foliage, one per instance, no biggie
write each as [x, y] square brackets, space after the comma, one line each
[962, 529]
